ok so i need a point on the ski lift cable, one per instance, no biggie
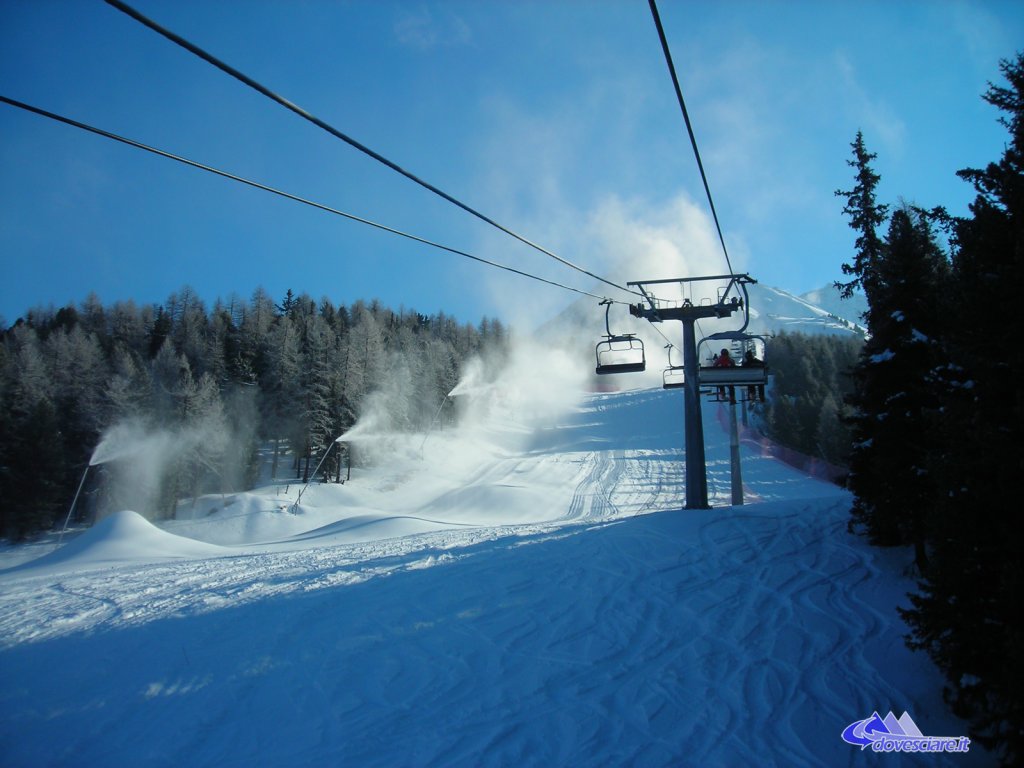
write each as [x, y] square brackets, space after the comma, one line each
[288, 195]
[245, 79]
[689, 126]
[661, 333]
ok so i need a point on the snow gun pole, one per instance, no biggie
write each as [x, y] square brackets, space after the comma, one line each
[72, 508]
[323, 458]
[734, 457]
[433, 422]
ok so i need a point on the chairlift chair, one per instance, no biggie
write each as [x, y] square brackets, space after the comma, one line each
[740, 375]
[673, 377]
[619, 353]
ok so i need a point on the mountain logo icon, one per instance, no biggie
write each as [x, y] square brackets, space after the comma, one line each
[892, 734]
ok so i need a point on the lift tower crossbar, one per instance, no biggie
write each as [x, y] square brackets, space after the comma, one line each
[732, 298]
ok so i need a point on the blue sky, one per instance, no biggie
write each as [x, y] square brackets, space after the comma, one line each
[557, 119]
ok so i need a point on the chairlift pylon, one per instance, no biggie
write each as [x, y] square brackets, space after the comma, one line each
[732, 299]
[618, 353]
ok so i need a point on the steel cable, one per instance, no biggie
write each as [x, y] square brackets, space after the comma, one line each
[228, 69]
[689, 127]
[281, 193]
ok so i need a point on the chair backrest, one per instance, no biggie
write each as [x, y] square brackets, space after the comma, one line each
[620, 354]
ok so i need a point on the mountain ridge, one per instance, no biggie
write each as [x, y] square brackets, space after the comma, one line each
[774, 310]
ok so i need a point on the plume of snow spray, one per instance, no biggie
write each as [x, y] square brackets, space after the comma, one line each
[545, 373]
[498, 402]
[141, 458]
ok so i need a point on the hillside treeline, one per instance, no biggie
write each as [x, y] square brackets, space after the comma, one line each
[937, 416]
[189, 394]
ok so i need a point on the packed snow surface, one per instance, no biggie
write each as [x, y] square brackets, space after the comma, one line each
[523, 593]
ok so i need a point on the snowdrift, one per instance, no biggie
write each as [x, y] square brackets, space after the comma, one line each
[125, 538]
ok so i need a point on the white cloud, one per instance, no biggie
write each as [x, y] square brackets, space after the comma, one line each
[986, 38]
[644, 240]
[575, 179]
[422, 29]
[876, 118]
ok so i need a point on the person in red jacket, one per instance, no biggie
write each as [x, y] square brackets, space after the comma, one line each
[724, 360]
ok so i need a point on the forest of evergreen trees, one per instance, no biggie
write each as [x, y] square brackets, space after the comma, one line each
[806, 408]
[223, 381]
[937, 414]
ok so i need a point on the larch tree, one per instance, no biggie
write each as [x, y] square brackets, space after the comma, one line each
[314, 424]
[279, 384]
[31, 459]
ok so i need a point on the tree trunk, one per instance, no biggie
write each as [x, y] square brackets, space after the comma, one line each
[920, 556]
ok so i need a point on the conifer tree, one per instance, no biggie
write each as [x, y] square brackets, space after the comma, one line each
[125, 389]
[280, 384]
[128, 326]
[866, 215]
[810, 381]
[77, 369]
[313, 433]
[968, 615]
[31, 455]
[894, 391]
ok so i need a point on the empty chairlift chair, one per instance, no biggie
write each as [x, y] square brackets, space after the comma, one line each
[619, 353]
[672, 377]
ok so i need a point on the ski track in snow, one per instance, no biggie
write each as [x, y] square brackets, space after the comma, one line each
[605, 630]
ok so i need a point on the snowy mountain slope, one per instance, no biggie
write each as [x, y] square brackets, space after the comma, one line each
[518, 596]
[773, 310]
[827, 298]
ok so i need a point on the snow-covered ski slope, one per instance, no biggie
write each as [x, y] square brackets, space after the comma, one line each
[524, 593]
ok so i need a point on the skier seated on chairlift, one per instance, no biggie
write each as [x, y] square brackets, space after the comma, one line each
[724, 360]
[750, 360]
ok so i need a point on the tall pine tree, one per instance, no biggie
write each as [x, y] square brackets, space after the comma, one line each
[866, 216]
[968, 615]
[904, 277]
[895, 388]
